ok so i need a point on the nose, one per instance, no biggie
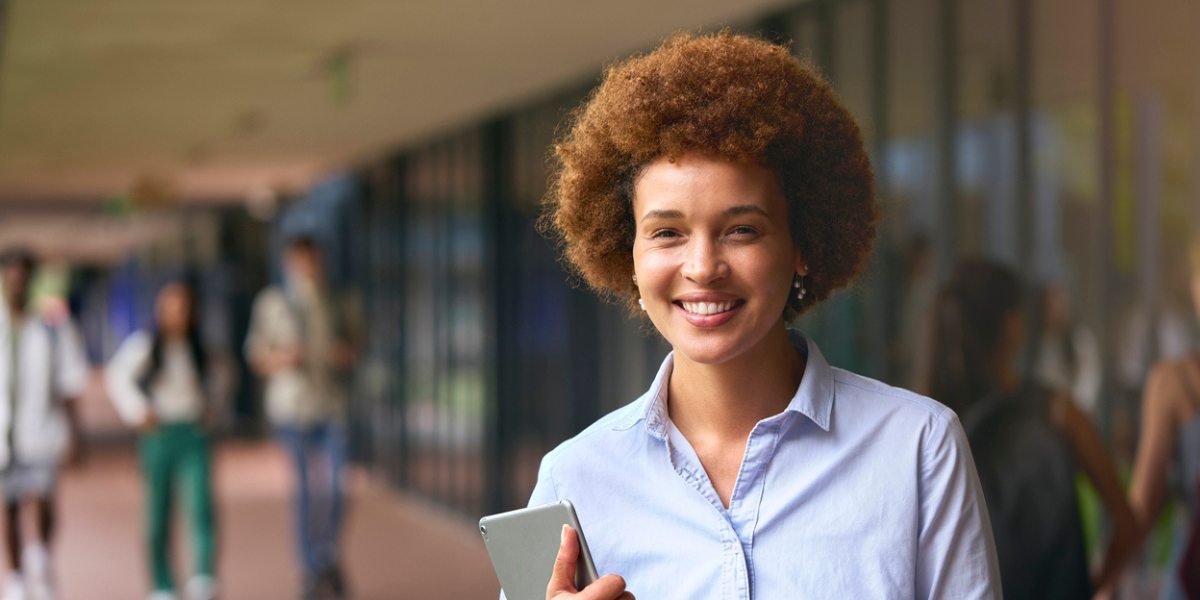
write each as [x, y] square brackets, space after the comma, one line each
[705, 262]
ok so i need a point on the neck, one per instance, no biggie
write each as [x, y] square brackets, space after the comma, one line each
[16, 308]
[173, 335]
[725, 401]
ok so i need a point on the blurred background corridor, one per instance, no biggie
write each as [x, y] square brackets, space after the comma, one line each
[393, 544]
[407, 141]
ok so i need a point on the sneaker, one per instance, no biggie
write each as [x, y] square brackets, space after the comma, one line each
[35, 560]
[14, 587]
[201, 587]
[39, 577]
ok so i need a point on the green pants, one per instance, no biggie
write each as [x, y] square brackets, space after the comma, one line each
[175, 459]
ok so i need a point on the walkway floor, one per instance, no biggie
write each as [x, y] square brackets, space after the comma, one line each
[396, 547]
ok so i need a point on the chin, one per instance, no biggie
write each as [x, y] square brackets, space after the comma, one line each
[713, 348]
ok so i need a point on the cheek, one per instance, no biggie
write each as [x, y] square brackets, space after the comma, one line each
[655, 270]
[765, 270]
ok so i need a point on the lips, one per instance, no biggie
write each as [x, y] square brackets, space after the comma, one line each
[708, 312]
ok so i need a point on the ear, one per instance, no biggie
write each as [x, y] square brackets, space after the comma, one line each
[800, 265]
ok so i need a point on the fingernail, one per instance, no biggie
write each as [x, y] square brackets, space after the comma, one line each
[563, 537]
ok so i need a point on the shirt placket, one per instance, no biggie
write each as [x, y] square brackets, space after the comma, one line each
[738, 522]
[746, 501]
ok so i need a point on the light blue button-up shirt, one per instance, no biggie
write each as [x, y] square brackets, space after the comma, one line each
[857, 490]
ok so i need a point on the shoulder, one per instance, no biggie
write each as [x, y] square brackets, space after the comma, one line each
[133, 352]
[897, 420]
[270, 294]
[603, 436]
[271, 299]
[859, 391]
[138, 341]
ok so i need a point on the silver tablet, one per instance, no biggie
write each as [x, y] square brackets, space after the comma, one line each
[524, 543]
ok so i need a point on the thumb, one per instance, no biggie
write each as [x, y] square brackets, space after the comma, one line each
[563, 578]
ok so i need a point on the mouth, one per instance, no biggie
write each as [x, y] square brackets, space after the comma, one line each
[707, 309]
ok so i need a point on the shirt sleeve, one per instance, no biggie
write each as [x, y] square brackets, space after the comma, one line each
[544, 491]
[122, 374]
[956, 554]
[71, 372]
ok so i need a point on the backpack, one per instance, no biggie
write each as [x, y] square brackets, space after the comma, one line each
[1027, 471]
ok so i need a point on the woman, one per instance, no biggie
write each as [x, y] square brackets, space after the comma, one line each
[1028, 442]
[717, 185]
[157, 383]
[1170, 436]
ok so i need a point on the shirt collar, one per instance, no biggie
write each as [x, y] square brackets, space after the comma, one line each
[813, 399]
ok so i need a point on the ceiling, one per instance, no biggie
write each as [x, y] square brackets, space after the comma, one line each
[229, 99]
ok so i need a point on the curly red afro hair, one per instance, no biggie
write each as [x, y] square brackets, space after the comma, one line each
[723, 95]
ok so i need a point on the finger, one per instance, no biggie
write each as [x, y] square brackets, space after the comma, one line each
[563, 577]
[626, 596]
[609, 587]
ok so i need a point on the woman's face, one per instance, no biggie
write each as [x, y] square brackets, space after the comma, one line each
[713, 255]
[174, 310]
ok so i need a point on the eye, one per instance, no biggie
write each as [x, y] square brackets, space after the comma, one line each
[743, 230]
[664, 234]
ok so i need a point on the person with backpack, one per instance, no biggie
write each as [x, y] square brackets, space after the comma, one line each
[157, 381]
[1027, 441]
[302, 340]
[43, 371]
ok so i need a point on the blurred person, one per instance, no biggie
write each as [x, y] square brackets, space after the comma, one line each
[718, 186]
[1028, 441]
[303, 339]
[1068, 355]
[158, 381]
[1169, 439]
[43, 372]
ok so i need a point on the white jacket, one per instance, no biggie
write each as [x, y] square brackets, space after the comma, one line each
[50, 367]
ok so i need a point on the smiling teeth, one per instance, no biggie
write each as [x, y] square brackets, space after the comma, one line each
[707, 308]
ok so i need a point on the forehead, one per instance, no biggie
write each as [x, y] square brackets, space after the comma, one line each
[696, 183]
[174, 291]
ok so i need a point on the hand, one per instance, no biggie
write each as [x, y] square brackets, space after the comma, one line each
[562, 581]
[75, 446]
[76, 453]
[149, 422]
[280, 360]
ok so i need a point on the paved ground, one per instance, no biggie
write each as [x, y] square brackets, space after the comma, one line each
[396, 547]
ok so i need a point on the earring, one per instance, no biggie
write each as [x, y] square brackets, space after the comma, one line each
[799, 285]
[635, 278]
[641, 304]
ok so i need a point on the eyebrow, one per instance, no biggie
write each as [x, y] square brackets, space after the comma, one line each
[662, 214]
[741, 209]
[745, 209]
